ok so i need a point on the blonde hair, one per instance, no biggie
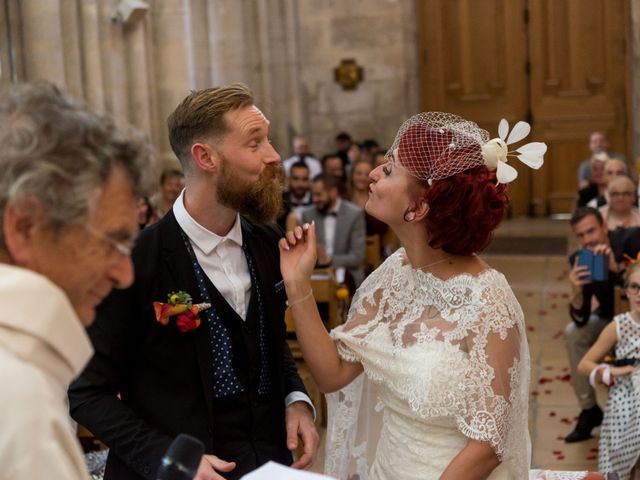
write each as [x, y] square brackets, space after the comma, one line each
[631, 269]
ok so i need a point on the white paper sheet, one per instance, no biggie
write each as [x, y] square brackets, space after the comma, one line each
[273, 471]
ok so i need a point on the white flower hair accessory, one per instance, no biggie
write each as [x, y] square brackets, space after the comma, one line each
[436, 145]
[496, 152]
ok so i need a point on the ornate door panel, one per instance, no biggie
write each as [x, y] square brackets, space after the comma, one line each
[558, 63]
[578, 85]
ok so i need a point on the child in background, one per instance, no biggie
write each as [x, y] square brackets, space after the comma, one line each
[619, 445]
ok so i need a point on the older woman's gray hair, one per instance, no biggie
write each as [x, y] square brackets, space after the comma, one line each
[56, 151]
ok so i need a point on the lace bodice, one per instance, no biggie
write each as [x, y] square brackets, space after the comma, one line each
[449, 351]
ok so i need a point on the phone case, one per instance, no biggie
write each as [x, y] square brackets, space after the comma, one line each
[599, 272]
[585, 257]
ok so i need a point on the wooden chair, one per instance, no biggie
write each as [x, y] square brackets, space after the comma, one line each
[324, 287]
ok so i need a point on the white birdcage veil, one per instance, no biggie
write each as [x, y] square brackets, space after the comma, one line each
[436, 145]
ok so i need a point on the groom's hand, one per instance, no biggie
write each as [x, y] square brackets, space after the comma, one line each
[299, 420]
[208, 466]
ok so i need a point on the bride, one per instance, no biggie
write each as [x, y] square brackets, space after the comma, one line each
[437, 332]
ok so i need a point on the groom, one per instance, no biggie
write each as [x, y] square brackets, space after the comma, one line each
[229, 381]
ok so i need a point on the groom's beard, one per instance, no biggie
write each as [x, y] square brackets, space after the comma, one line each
[259, 201]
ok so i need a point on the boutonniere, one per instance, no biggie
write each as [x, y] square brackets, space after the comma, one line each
[181, 305]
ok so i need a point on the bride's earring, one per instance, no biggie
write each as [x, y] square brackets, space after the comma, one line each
[409, 216]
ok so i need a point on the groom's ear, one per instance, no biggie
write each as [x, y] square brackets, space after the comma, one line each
[205, 157]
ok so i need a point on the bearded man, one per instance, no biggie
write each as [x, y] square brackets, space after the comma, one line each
[213, 361]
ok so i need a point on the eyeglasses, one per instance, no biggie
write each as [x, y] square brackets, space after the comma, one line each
[621, 194]
[123, 248]
[633, 288]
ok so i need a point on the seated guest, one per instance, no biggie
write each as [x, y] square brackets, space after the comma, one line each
[359, 194]
[590, 309]
[298, 197]
[343, 143]
[613, 168]
[369, 149]
[301, 153]
[597, 183]
[340, 228]
[332, 164]
[69, 182]
[599, 147]
[620, 212]
[146, 215]
[171, 184]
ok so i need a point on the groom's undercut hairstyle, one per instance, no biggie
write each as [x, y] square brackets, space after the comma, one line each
[200, 118]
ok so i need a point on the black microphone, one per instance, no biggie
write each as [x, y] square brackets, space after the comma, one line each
[182, 459]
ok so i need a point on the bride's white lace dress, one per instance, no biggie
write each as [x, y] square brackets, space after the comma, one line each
[444, 362]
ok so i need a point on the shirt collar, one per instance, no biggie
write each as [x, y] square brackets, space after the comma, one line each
[336, 206]
[204, 239]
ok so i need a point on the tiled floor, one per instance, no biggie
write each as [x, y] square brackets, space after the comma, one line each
[540, 284]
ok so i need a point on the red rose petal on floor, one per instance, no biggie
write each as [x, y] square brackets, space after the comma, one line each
[564, 378]
[542, 312]
[560, 437]
[552, 414]
[592, 457]
[558, 335]
[565, 369]
[531, 328]
[529, 294]
[547, 392]
[560, 457]
[544, 380]
[554, 305]
[565, 420]
[575, 419]
[557, 452]
[548, 368]
[565, 295]
[534, 394]
[594, 449]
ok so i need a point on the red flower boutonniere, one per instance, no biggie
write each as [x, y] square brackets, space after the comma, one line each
[180, 304]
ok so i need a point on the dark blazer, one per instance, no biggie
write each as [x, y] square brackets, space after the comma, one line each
[163, 376]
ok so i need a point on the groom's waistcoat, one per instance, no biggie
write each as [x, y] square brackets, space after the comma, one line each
[248, 427]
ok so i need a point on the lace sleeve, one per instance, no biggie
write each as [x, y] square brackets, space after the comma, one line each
[496, 381]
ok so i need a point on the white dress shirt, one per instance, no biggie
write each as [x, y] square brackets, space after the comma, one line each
[330, 220]
[222, 260]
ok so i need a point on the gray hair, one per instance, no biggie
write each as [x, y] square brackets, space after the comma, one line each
[54, 150]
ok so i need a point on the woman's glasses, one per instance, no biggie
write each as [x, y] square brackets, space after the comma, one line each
[633, 288]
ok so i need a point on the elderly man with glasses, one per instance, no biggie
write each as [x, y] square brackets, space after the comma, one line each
[69, 182]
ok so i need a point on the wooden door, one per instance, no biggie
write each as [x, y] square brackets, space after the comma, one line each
[579, 78]
[560, 64]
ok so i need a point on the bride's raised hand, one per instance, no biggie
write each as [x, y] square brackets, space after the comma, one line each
[298, 253]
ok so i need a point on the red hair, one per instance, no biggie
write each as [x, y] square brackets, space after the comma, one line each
[464, 209]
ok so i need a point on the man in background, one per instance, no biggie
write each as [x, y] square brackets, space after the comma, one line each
[340, 228]
[590, 309]
[68, 188]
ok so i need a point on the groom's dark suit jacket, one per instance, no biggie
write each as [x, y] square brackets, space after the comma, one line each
[164, 377]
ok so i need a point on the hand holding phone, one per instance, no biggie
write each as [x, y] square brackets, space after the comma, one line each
[596, 263]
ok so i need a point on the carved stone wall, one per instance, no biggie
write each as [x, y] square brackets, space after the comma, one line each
[286, 50]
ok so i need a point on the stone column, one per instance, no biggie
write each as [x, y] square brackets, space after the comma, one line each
[42, 40]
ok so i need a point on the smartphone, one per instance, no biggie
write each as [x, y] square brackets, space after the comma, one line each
[596, 263]
[599, 272]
